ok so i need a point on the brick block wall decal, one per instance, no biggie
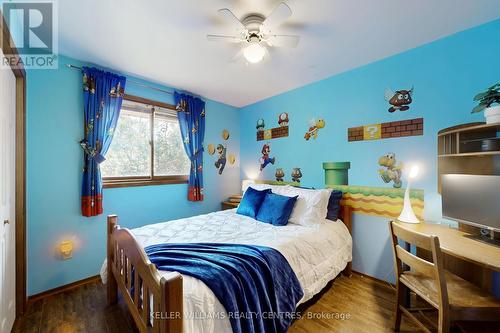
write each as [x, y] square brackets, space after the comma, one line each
[392, 129]
[273, 133]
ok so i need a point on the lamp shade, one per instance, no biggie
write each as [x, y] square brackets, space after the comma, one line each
[246, 184]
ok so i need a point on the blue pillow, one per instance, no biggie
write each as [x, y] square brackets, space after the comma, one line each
[276, 209]
[334, 206]
[251, 201]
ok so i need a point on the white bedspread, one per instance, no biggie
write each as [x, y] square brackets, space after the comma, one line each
[316, 254]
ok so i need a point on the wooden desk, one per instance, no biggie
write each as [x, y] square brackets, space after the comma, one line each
[471, 259]
[454, 243]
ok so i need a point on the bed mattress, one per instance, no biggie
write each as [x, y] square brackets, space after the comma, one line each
[316, 254]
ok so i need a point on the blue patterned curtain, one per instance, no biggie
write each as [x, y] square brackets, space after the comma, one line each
[192, 123]
[102, 101]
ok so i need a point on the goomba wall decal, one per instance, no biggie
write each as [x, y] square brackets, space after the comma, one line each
[296, 175]
[280, 174]
[399, 100]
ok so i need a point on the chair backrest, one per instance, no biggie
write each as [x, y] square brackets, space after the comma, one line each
[433, 269]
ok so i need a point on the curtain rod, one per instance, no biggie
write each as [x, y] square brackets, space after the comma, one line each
[137, 83]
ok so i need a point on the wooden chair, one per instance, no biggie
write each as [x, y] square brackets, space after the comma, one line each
[454, 298]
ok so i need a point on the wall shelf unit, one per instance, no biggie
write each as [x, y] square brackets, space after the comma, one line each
[468, 149]
[469, 140]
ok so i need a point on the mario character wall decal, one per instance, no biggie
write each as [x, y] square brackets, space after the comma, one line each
[296, 175]
[315, 126]
[265, 159]
[399, 100]
[283, 119]
[392, 170]
[280, 174]
[221, 161]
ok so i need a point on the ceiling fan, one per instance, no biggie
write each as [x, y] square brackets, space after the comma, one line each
[255, 32]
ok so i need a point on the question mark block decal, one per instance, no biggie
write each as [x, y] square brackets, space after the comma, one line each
[393, 129]
[372, 132]
[268, 134]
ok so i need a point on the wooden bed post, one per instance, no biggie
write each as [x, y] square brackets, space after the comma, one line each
[346, 215]
[172, 303]
[112, 287]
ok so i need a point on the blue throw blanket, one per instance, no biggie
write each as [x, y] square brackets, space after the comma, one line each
[256, 285]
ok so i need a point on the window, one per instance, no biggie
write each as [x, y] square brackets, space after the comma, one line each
[147, 147]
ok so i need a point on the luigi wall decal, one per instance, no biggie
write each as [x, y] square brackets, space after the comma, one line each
[266, 159]
[221, 161]
[399, 100]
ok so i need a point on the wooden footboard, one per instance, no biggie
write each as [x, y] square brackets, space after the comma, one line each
[129, 266]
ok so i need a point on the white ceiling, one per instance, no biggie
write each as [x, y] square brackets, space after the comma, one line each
[164, 41]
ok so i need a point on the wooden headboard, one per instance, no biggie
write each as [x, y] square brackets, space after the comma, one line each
[345, 213]
[346, 216]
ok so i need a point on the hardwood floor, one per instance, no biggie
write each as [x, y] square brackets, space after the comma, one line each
[356, 304]
[82, 309]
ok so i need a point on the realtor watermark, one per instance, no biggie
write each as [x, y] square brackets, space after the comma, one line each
[322, 315]
[33, 26]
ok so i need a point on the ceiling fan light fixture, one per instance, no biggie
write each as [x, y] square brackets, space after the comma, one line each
[254, 53]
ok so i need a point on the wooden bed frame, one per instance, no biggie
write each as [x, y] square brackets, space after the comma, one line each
[128, 263]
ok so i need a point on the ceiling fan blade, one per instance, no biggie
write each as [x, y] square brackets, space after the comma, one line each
[222, 38]
[237, 57]
[267, 57]
[230, 18]
[277, 16]
[282, 40]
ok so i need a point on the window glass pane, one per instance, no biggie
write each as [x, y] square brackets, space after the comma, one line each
[169, 155]
[130, 151]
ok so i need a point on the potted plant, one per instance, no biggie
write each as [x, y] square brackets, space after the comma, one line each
[486, 100]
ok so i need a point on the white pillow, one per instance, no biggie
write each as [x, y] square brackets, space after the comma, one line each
[277, 189]
[311, 207]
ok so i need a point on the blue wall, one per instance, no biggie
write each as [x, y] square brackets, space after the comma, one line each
[54, 164]
[446, 74]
